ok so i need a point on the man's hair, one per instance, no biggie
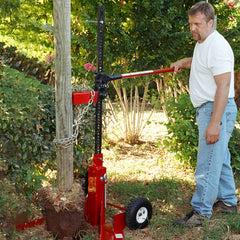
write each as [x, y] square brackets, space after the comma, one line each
[204, 8]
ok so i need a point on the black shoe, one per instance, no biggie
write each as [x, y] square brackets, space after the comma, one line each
[192, 219]
[221, 207]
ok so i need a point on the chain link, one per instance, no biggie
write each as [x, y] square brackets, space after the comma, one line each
[67, 142]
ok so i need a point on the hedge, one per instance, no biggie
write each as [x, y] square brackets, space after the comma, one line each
[27, 130]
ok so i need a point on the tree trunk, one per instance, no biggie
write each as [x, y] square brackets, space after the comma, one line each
[64, 116]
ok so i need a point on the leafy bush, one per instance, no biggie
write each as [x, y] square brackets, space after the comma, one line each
[234, 147]
[84, 147]
[30, 66]
[182, 137]
[27, 130]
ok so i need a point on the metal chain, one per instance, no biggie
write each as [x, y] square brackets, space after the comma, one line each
[81, 114]
[64, 142]
[67, 142]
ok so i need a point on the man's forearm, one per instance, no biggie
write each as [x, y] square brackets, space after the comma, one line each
[221, 97]
[187, 62]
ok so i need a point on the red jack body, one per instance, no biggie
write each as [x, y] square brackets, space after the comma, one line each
[95, 203]
[96, 190]
[139, 211]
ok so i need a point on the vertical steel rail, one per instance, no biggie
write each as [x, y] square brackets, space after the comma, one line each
[100, 48]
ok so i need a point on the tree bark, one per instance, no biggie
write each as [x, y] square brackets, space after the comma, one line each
[64, 114]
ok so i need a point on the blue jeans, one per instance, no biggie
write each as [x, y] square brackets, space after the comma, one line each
[213, 175]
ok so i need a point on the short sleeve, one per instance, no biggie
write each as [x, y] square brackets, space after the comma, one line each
[221, 58]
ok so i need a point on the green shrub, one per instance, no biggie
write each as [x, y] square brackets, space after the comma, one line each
[182, 137]
[84, 147]
[234, 147]
[30, 66]
[27, 130]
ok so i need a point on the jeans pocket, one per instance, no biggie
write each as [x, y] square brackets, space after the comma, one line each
[231, 118]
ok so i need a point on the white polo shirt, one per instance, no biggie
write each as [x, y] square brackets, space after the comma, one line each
[212, 57]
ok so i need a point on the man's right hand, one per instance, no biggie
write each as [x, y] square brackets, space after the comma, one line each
[182, 63]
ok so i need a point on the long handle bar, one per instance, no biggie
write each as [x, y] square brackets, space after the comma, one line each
[137, 74]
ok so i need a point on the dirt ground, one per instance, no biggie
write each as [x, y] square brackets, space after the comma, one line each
[143, 152]
[151, 132]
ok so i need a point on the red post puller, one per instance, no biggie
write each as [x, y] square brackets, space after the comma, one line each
[139, 211]
[95, 203]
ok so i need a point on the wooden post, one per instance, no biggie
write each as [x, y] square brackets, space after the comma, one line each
[64, 112]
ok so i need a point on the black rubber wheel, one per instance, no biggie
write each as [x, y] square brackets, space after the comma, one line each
[138, 213]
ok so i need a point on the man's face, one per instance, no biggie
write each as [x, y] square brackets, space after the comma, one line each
[200, 29]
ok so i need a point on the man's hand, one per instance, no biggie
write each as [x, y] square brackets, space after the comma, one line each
[182, 63]
[212, 133]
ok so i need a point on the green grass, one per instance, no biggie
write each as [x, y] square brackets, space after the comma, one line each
[168, 185]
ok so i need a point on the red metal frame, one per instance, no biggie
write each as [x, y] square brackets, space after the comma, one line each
[95, 203]
[82, 97]
[31, 224]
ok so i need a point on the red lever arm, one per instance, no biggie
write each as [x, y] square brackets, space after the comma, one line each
[143, 73]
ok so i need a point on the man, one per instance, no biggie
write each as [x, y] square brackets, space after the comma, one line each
[211, 91]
